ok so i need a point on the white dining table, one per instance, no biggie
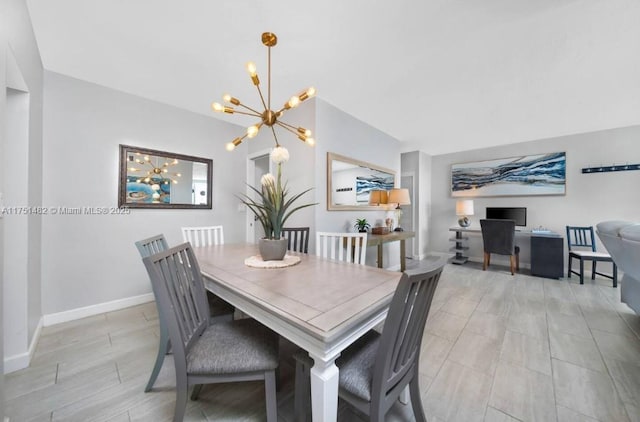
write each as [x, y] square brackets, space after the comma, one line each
[321, 305]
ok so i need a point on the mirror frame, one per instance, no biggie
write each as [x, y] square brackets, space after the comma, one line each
[330, 205]
[122, 186]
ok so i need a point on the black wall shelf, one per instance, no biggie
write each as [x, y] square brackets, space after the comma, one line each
[605, 169]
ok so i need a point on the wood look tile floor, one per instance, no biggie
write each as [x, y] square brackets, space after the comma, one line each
[496, 348]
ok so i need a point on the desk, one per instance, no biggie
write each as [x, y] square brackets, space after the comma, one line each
[321, 305]
[547, 252]
[380, 239]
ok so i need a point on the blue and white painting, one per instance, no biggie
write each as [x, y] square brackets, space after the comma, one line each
[365, 184]
[543, 174]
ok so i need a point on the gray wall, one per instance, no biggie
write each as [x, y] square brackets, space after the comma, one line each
[91, 259]
[341, 133]
[17, 40]
[589, 199]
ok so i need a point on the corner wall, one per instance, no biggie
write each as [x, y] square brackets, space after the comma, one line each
[18, 44]
[589, 199]
[341, 133]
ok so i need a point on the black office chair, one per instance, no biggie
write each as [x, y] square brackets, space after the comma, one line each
[583, 237]
[498, 237]
[297, 238]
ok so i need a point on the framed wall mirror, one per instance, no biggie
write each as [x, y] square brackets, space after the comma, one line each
[159, 179]
[350, 183]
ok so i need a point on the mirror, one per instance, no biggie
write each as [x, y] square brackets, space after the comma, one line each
[350, 182]
[158, 179]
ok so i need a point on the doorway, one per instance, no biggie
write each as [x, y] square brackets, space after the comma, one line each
[408, 213]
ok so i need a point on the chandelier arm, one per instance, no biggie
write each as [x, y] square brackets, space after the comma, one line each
[289, 126]
[284, 126]
[253, 113]
[248, 108]
[261, 97]
[274, 135]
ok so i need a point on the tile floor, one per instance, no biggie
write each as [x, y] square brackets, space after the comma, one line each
[496, 348]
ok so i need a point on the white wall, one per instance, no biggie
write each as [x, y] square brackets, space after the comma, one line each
[341, 133]
[20, 65]
[91, 259]
[589, 199]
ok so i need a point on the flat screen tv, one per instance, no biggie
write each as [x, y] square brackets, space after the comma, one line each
[517, 214]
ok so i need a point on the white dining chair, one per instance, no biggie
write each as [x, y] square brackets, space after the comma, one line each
[349, 247]
[203, 236]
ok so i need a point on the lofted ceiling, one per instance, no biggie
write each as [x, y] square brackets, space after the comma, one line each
[439, 75]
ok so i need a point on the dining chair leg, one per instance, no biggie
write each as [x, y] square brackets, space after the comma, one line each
[302, 391]
[163, 348]
[593, 269]
[581, 271]
[569, 268]
[416, 402]
[485, 262]
[512, 264]
[196, 391]
[181, 398]
[270, 396]
[615, 274]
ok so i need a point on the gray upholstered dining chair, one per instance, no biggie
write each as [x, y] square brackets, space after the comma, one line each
[205, 353]
[207, 236]
[499, 236]
[297, 238]
[349, 247]
[375, 370]
[219, 310]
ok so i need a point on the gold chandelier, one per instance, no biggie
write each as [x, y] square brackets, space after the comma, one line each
[268, 117]
[157, 172]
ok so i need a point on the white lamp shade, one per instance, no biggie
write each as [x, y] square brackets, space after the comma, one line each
[399, 196]
[464, 207]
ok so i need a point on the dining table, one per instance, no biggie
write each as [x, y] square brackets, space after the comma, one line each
[319, 304]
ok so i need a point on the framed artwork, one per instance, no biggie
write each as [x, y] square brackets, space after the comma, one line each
[542, 174]
[159, 179]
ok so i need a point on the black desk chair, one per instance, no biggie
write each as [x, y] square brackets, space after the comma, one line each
[583, 237]
[499, 237]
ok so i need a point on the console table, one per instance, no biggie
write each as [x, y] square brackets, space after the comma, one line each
[547, 250]
[380, 239]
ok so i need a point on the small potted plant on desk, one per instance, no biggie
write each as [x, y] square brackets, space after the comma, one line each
[362, 225]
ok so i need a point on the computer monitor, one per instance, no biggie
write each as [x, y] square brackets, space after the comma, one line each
[517, 214]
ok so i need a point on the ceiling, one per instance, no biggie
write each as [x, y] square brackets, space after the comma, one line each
[439, 75]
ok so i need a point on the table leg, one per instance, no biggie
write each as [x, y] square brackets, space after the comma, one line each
[324, 389]
[380, 255]
[402, 256]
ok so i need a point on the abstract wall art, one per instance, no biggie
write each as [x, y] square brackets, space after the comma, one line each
[541, 174]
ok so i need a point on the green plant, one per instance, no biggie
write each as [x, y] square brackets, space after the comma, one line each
[273, 206]
[362, 224]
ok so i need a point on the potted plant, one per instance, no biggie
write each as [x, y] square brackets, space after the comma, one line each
[362, 225]
[273, 207]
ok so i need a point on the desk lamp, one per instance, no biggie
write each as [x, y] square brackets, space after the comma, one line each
[464, 208]
[378, 197]
[400, 197]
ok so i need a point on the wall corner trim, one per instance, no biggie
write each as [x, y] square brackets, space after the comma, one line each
[22, 360]
[99, 308]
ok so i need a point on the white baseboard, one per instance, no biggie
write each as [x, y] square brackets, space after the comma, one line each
[100, 308]
[22, 360]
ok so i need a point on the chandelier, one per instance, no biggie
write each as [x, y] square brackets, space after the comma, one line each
[157, 172]
[268, 117]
